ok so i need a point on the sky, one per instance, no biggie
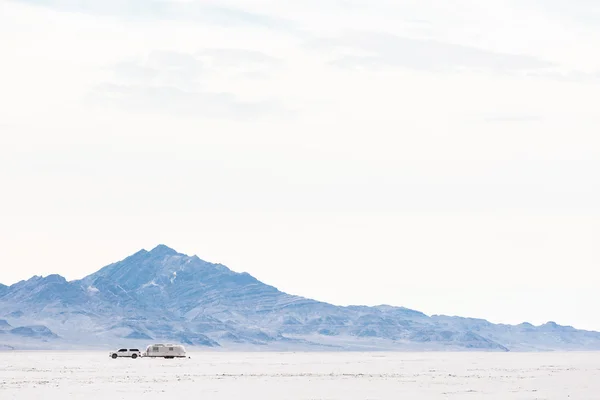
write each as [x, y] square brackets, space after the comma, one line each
[440, 157]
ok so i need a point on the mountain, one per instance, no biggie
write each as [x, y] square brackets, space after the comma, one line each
[165, 296]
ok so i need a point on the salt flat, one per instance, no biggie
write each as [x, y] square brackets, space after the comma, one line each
[347, 376]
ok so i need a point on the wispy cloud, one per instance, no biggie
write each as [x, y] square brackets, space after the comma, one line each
[586, 11]
[175, 83]
[372, 50]
[242, 62]
[513, 118]
[205, 11]
[175, 101]
[161, 68]
[567, 76]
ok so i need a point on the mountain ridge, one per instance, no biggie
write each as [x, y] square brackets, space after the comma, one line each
[165, 295]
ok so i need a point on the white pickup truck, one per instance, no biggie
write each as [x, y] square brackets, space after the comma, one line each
[130, 353]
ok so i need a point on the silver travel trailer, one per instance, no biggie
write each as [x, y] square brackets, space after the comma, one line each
[165, 351]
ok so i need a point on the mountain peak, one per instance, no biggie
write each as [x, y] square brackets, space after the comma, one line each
[162, 250]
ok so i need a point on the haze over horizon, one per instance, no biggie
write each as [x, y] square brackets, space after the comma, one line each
[350, 152]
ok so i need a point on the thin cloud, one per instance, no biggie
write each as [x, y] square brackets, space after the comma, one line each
[567, 76]
[169, 10]
[175, 101]
[382, 49]
[513, 118]
[240, 62]
[236, 56]
[579, 11]
[161, 68]
[172, 82]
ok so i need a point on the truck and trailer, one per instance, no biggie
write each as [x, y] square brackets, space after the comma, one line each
[168, 351]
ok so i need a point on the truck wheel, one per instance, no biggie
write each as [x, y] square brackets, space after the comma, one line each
[114, 356]
[134, 356]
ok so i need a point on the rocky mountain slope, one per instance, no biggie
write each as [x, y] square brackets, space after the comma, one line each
[162, 295]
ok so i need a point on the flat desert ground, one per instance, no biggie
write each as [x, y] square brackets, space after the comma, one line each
[295, 376]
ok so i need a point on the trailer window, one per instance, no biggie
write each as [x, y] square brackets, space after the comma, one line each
[171, 349]
[155, 349]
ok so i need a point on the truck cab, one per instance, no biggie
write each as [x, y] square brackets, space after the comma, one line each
[129, 353]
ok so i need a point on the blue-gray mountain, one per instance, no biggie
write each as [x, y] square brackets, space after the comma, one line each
[162, 295]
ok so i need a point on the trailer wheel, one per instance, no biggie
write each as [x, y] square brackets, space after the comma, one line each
[114, 356]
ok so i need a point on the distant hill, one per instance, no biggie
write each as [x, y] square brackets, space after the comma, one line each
[164, 296]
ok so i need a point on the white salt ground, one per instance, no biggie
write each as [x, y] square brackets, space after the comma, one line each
[295, 376]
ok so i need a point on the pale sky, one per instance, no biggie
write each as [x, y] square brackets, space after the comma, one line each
[442, 156]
